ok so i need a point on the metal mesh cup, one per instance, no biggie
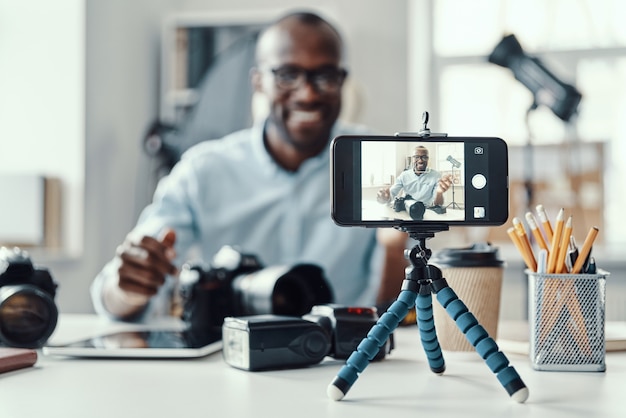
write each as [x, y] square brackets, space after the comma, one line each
[475, 275]
[566, 317]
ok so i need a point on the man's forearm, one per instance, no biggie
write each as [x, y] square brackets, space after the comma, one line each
[120, 303]
[438, 199]
[110, 300]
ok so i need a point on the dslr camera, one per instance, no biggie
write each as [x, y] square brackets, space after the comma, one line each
[266, 342]
[237, 284]
[413, 207]
[28, 314]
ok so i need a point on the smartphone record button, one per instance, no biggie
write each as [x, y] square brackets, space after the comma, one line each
[479, 181]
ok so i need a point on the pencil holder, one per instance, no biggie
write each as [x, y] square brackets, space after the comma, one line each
[566, 318]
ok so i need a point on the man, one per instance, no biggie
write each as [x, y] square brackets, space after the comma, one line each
[421, 184]
[264, 189]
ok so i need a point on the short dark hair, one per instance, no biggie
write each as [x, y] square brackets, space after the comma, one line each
[308, 18]
[304, 17]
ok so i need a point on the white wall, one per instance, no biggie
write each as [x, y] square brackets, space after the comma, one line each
[122, 79]
[42, 85]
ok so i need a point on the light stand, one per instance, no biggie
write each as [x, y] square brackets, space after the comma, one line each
[455, 164]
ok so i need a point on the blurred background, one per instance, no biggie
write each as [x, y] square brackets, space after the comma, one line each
[99, 97]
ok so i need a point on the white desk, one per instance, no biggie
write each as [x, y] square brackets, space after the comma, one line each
[400, 386]
[374, 211]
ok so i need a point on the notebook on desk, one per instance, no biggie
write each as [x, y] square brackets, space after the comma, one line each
[514, 338]
[140, 344]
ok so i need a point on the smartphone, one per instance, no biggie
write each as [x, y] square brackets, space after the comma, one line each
[363, 167]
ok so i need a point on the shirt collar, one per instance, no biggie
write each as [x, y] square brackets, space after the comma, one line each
[258, 148]
[266, 160]
[428, 170]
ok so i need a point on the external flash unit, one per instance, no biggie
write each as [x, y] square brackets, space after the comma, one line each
[547, 89]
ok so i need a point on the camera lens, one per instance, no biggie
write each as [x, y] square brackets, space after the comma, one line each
[28, 316]
[290, 296]
[280, 290]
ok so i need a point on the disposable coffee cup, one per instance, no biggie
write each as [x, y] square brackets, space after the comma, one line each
[475, 274]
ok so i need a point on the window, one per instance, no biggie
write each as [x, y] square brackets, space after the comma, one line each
[584, 44]
[42, 108]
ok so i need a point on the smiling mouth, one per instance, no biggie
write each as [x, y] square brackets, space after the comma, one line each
[306, 116]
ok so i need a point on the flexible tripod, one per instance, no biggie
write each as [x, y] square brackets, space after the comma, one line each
[423, 279]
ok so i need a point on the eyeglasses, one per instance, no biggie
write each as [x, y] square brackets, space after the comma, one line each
[421, 157]
[325, 79]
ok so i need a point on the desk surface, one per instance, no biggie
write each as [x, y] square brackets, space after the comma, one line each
[399, 386]
[374, 211]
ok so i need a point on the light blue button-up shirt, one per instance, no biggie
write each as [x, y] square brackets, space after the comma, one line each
[231, 192]
[422, 188]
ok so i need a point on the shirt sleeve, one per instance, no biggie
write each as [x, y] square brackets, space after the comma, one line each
[159, 305]
[170, 208]
[397, 187]
[433, 193]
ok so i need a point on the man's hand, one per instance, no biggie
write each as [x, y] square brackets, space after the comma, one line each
[445, 182]
[383, 195]
[145, 262]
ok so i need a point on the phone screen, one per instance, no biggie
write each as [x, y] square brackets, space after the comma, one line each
[390, 181]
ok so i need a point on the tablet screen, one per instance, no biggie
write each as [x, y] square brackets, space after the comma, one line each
[140, 344]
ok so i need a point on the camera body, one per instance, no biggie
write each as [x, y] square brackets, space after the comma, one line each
[265, 342]
[413, 207]
[28, 314]
[237, 284]
[346, 326]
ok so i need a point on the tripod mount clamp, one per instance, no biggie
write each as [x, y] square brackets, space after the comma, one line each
[421, 232]
[424, 132]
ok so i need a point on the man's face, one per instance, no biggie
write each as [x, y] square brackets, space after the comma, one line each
[420, 160]
[299, 74]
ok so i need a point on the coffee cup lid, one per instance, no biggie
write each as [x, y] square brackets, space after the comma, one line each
[481, 254]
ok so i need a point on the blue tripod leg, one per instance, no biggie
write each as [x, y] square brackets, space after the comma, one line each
[371, 344]
[428, 333]
[485, 346]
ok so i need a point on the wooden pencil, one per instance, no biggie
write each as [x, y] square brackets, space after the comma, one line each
[556, 239]
[534, 229]
[518, 244]
[545, 222]
[563, 247]
[523, 237]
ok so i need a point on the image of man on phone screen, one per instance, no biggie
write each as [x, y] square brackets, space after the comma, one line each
[416, 188]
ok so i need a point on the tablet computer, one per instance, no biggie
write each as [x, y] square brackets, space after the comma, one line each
[140, 344]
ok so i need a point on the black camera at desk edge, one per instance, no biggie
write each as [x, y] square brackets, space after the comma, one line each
[266, 342]
[28, 314]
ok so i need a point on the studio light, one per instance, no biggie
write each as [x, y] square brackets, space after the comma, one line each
[562, 98]
[455, 163]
